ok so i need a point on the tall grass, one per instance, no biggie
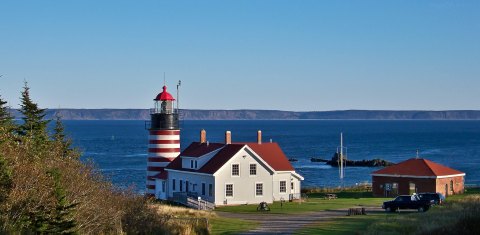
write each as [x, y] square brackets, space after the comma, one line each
[455, 217]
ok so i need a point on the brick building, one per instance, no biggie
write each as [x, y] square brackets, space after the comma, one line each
[417, 175]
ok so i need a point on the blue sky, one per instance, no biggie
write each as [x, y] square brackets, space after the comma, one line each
[284, 55]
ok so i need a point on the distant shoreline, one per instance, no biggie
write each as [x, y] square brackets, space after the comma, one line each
[195, 114]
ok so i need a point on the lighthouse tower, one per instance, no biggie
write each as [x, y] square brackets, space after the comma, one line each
[164, 137]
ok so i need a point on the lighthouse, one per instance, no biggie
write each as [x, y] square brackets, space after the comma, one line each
[163, 139]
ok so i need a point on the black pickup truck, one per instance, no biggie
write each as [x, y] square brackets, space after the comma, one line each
[406, 202]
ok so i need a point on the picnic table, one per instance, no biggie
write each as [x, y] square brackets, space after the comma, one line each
[330, 196]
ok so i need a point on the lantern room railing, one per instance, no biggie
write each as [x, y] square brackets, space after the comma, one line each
[166, 111]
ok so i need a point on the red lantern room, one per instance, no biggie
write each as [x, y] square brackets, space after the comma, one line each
[164, 102]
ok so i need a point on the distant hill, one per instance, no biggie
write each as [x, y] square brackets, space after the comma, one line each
[194, 114]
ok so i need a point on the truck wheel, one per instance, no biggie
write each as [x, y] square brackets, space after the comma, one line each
[388, 209]
[421, 209]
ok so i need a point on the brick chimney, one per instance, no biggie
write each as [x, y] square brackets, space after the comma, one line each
[228, 137]
[203, 136]
[259, 137]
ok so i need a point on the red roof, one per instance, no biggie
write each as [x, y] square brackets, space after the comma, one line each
[197, 149]
[417, 167]
[271, 153]
[164, 95]
[162, 175]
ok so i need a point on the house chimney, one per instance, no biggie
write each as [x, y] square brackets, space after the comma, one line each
[259, 137]
[203, 136]
[228, 137]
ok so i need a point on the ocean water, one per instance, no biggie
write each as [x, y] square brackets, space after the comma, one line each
[119, 148]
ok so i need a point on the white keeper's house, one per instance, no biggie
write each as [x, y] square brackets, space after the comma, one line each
[230, 173]
[213, 173]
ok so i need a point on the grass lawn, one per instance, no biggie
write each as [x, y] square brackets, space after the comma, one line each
[344, 225]
[221, 225]
[315, 202]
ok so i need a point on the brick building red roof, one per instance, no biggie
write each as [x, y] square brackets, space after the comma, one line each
[417, 167]
[271, 153]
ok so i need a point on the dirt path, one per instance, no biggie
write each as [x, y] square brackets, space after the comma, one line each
[288, 223]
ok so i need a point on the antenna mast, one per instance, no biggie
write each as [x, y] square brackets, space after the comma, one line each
[342, 162]
[341, 156]
[178, 96]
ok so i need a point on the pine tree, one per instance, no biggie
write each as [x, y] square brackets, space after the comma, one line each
[7, 124]
[34, 125]
[61, 222]
[61, 140]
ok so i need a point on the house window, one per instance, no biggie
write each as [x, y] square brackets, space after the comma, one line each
[181, 185]
[291, 186]
[191, 163]
[210, 190]
[173, 184]
[253, 169]
[163, 186]
[186, 186]
[196, 164]
[451, 186]
[235, 170]
[259, 189]
[229, 190]
[283, 186]
[203, 189]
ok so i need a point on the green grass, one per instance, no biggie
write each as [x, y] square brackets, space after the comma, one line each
[312, 204]
[343, 225]
[226, 226]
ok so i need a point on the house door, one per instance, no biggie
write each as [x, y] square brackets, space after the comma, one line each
[161, 189]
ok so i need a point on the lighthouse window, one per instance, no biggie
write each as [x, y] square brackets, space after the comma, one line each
[235, 170]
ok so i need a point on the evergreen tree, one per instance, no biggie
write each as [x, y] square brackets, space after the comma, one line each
[34, 126]
[61, 140]
[7, 124]
[61, 222]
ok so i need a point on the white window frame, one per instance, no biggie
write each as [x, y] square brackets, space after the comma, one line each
[259, 183]
[231, 170]
[233, 190]
[250, 169]
[280, 187]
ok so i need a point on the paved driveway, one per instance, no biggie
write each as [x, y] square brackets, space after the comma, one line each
[288, 223]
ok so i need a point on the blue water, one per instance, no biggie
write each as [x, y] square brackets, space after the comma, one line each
[119, 148]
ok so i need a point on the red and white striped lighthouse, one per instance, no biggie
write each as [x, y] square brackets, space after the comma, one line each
[163, 139]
